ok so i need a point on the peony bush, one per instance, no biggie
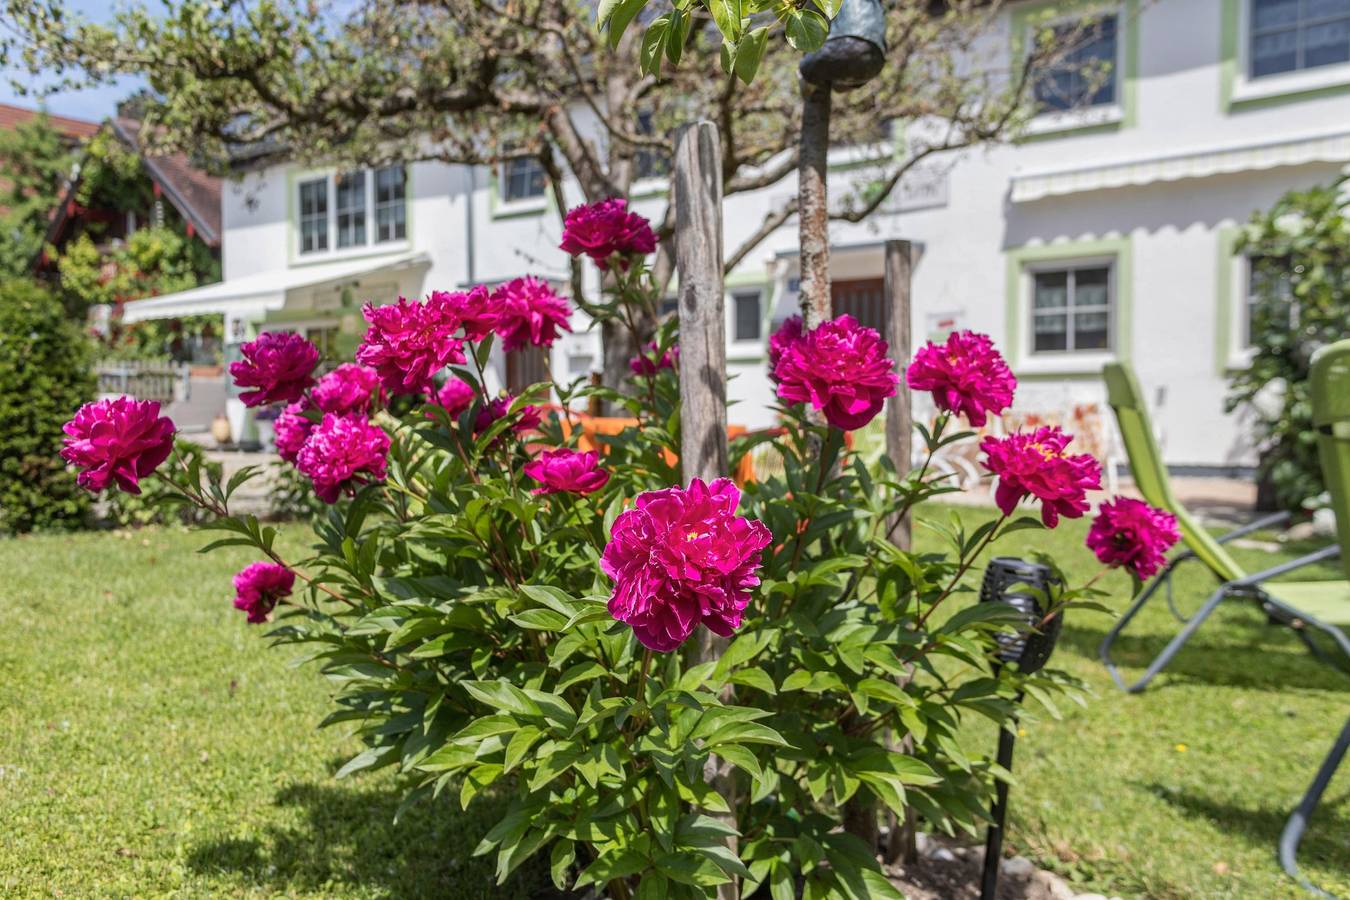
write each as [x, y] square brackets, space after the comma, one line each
[501, 611]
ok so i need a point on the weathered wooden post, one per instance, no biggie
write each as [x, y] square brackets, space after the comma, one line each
[703, 360]
[899, 446]
[703, 340]
[899, 409]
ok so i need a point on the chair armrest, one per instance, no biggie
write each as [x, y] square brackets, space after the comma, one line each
[1263, 522]
[1318, 556]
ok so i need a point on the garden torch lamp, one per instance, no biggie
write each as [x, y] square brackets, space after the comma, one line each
[1029, 588]
[851, 56]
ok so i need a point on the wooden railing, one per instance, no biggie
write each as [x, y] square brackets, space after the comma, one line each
[165, 382]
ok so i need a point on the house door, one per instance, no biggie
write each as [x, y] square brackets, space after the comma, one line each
[525, 367]
[864, 299]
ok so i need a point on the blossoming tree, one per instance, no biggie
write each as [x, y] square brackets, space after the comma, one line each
[500, 611]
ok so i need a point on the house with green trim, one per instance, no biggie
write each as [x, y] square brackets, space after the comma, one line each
[1104, 232]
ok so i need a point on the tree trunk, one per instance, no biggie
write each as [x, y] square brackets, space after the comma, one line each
[813, 213]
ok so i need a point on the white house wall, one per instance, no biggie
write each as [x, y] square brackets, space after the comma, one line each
[966, 224]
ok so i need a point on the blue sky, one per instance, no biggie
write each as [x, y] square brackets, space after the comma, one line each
[96, 103]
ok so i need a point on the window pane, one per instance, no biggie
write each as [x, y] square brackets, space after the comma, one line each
[314, 215]
[1086, 74]
[1051, 290]
[1272, 53]
[351, 210]
[1273, 13]
[1326, 44]
[1089, 287]
[1050, 332]
[747, 316]
[1091, 331]
[522, 179]
[390, 204]
[1325, 9]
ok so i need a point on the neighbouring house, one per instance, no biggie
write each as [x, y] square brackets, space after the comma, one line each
[181, 194]
[1105, 233]
[73, 131]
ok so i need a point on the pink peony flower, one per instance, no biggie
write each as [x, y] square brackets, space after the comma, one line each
[279, 365]
[966, 375]
[605, 229]
[528, 312]
[528, 421]
[567, 471]
[1036, 465]
[348, 388]
[455, 395]
[648, 364]
[121, 440]
[475, 309]
[343, 452]
[680, 557]
[259, 587]
[840, 368]
[407, 343]
[1130, 533]
[788, 334]
[291, 430]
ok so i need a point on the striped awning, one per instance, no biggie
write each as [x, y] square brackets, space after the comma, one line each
[1328, 148]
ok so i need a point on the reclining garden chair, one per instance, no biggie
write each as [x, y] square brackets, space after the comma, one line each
[1311, 608]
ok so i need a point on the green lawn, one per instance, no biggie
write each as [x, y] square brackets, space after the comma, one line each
[150, 744]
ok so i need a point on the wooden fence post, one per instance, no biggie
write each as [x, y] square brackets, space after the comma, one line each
[899, 445]
[899, 409]
[703, 365]
[703, 341]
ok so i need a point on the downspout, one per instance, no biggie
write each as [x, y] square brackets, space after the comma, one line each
[470, 274]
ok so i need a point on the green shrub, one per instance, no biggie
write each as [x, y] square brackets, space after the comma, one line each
[45, 374]
[1300, 253]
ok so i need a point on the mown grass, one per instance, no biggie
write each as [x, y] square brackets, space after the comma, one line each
[151, 744]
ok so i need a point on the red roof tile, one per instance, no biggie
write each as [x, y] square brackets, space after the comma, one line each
[78, 129]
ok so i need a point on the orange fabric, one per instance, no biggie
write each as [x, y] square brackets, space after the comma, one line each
[594, 428]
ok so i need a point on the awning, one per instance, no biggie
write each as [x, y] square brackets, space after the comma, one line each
[254, 295]
[1330, 148]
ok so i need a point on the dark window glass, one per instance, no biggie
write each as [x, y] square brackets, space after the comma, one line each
[1086, 75]
[747, 317]
[314, 215]
[391, 207]
[1290, 35]
[1270, 296]
[351, 210]
[649, 163]
[1071, 309]
[522, 179]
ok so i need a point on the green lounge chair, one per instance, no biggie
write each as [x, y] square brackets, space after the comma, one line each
[1310, 608]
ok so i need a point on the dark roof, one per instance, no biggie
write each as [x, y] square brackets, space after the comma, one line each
[76, 129]
[193, 192]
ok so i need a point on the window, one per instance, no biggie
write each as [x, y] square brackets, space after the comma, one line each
[649, 163]
[1289, 35]
[669, 305]
[522, 179]
[351, 210]
[314, 215]
[391, 211]
[1270, 296]
[347, 216]
[1085, 75]
[1071, 309]
[746, 321]
[325, 339]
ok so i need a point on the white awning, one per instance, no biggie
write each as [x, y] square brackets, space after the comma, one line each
[254, 295]
[1330, 148]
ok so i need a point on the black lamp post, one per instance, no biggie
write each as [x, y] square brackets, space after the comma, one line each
[1030, 589]
[852, 55]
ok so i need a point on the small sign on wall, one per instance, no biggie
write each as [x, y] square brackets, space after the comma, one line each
[937, 325]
